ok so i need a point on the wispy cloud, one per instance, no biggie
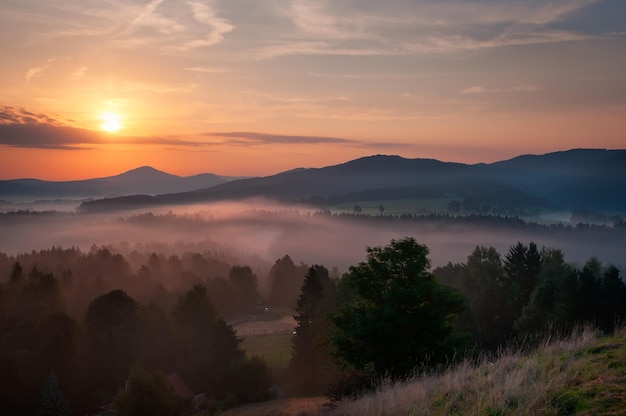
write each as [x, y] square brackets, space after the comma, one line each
[207, 16]
[37, 70]
[417, 28]
[478, 89]
[255, 138]
[263, 138]
[205, 69]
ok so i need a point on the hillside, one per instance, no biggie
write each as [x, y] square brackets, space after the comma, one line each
[572, 179]
[582, 375]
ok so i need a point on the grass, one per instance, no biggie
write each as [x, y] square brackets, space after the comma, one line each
[274, 349]
[581, 375]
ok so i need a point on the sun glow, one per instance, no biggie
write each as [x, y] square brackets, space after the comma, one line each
[111, 122]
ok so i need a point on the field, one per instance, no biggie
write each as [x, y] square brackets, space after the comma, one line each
[274, 349]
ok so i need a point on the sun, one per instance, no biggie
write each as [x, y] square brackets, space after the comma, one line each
[111, 122]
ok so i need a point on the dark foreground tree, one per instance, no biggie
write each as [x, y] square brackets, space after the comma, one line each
[400, 317]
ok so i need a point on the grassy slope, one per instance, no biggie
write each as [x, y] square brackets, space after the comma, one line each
[583, 375]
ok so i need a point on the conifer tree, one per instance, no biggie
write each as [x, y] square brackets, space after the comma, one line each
[52, 401]
[307, 344]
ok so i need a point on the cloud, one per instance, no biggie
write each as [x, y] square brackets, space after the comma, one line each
[419, 28]
[207, 16]
[80, 72]
[475, 89]
[35, 71]
[205, 69]
[478, 89]
[13, 115]
[263, 138]
[254, 138]
[22, 128]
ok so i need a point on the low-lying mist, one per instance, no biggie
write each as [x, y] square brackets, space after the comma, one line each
[257, 232]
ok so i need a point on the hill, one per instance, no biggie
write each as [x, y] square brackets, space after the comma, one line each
[581, 375]
[143, 180]
[583, 178]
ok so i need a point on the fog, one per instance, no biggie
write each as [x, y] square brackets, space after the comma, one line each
[258, 232]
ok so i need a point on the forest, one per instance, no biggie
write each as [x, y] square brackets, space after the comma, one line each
[89, 332]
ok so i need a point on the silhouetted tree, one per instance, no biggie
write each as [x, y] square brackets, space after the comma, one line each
[487, 293]
[244, 285]
[111, 332]
[611, 300]
[285, 280]
[309, 352]
[209, 346]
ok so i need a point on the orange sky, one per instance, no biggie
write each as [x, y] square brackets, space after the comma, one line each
[240, 88]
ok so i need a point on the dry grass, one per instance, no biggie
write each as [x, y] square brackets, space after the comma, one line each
[580, 375]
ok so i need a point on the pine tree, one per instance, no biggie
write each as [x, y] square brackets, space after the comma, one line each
[307, 354]
[52, 402]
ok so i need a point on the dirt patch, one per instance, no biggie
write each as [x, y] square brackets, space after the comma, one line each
[309, 406]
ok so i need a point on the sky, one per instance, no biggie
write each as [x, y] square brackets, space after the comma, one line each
[255, 87]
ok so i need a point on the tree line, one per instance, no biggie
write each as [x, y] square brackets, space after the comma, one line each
[391, 315]
[386, 317]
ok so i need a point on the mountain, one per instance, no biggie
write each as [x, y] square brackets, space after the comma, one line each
[580, 178]
[143, 180]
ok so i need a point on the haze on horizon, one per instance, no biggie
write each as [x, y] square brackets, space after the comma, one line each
[241, 88]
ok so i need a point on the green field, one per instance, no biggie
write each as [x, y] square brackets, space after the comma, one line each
[274, 349]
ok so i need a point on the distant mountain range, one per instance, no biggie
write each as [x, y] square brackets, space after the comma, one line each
[143, 180]
[574, 179]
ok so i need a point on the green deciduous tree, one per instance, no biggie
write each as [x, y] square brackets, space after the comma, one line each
[400, 317]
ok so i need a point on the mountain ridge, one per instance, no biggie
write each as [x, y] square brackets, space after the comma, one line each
[574, 178]
[143, 179]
